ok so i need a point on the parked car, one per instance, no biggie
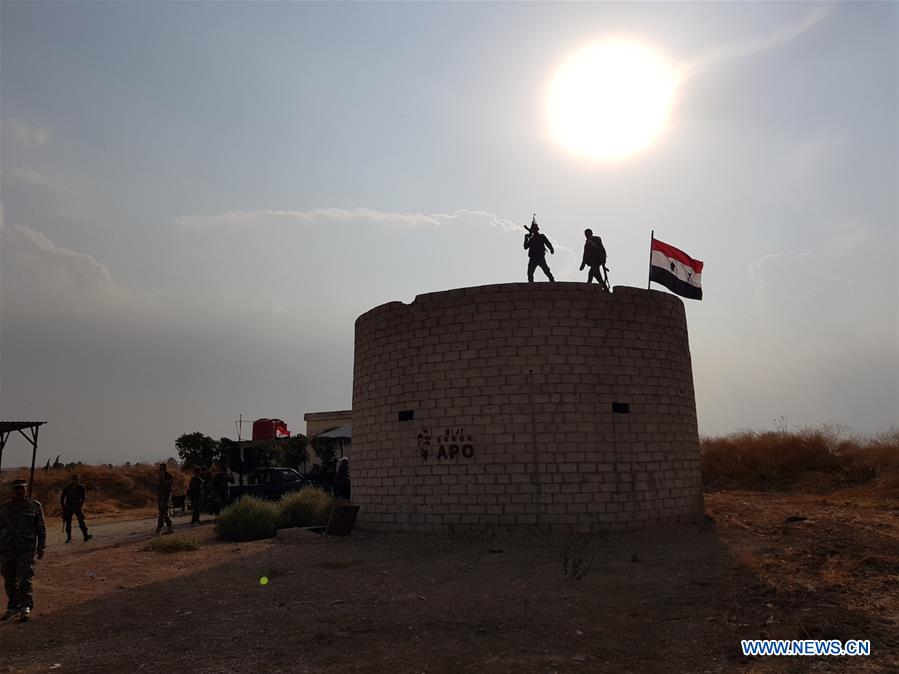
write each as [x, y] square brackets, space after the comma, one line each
[271, 484]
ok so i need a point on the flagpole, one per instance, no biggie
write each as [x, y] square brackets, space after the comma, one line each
[652, 235]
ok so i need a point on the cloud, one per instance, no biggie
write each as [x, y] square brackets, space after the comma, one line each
[808, 158]
[803, 299]
[854, 236]
[36, 179]
[473, 220]
[301, 217]
[400, 255]
[82, 347]
[785, 282]
[40, 277]
[808, 267]
[354, 215]
[811, 345]
[757, 45]
[24, 133]
[42, 191]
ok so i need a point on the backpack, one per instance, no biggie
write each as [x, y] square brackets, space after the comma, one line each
[596, 252]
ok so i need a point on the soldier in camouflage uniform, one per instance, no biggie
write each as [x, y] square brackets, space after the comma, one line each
[164, 500]
[23, 536]
[71, 501]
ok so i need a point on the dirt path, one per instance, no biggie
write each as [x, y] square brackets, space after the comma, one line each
[106, 530]
[666, 600]
[112, 530]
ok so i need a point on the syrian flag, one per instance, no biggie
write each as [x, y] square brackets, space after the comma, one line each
[675, 270]
[281, 429]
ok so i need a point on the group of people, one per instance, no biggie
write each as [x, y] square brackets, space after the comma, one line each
[23, 529]
[536, 244]
[207, 492]
[333, 476]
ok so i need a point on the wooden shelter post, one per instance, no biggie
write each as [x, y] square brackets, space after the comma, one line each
[6, 429]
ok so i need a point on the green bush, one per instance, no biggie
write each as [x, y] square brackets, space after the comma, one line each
[249, 519]
[172, 544]
[305, 508]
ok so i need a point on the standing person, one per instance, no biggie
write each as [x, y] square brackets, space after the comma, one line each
[594, 258]
[195, 491]
[220, 483]
[342, 479]
[23, 537]
[164, 500]
[72, 500]
[208, 498]
[330, 472]
[536, 244]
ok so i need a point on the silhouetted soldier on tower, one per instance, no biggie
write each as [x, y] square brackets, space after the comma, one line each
[595, 259]
[536, 244]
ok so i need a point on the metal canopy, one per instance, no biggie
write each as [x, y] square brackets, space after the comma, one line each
[341, 433]
[9, 427]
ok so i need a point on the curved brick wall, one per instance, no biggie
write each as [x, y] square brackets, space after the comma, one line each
[511, 389]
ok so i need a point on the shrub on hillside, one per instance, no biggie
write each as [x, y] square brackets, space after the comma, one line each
[769, 459]
[305, 508]
[110, 489]
[811, 460]
[874, 463]
[249, 519]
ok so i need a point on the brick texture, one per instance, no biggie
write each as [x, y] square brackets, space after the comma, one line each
[511, 389]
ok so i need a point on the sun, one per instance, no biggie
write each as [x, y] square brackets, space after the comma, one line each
[610, 99]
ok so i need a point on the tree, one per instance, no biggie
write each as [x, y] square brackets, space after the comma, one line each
[288, 452]
[197, 450]
[291, 452]
[325, 449]
[226, 445]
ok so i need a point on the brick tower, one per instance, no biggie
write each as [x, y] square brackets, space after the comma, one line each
[525, 406]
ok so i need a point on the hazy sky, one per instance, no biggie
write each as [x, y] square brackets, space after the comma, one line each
[199, 200]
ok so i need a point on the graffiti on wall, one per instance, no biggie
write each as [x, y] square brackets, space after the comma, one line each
[450, 444]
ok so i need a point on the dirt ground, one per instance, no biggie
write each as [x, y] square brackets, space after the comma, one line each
[672, 599]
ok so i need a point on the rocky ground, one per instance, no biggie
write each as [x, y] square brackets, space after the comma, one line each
[671, 599]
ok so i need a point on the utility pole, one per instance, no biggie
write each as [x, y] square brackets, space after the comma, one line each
[239, 424]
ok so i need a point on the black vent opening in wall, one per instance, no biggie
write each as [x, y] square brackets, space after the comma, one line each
[407, 415]
[621, 408]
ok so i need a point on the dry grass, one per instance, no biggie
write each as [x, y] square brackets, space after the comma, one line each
[808, 460]
[305, 508]
[249, 519]
[172, 544]
[110, 489]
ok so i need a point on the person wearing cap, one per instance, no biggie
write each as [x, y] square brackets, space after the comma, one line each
[23, 537]
[536, 244]
[72, 500]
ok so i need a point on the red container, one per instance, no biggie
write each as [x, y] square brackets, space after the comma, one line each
[263, 429]
[269, 429]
